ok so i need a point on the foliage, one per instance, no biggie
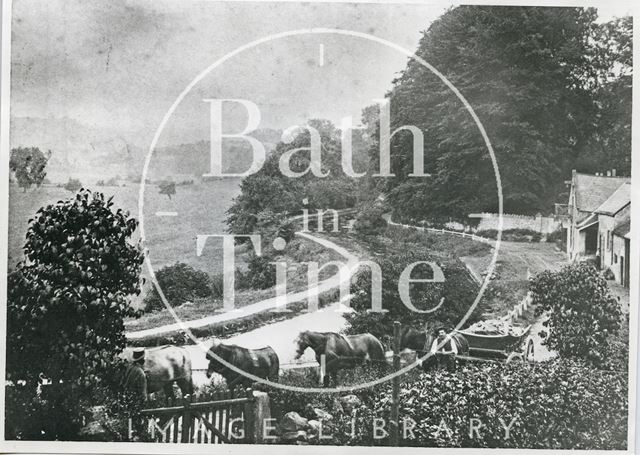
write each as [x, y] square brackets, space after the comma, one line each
[179, 283]
[554, 405]
[168, 188]
[261, 274]
[369, 220]
[73, 185]
[582, 313]
[68, 300]
[458, 290]
[270, 190]
[28, 164]
[271, 225]
[543, 81]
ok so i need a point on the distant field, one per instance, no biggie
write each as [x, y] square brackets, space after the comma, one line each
[201, 209]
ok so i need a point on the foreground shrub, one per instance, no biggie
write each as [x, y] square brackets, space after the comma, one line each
[66, 306]
[553, 405]
[582, 312]
[179, 283]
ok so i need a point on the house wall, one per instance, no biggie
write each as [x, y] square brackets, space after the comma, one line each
[618, 251]
[605, 240]
[576, 239]
[611, 247]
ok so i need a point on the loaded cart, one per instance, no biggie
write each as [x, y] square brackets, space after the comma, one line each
[499, 340]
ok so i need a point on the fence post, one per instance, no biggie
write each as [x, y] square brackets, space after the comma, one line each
[186, 421]
[395, 402]
[249, 418]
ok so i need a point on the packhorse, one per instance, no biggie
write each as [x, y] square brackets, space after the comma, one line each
[263, 363]
[341, 351]
[164, 365]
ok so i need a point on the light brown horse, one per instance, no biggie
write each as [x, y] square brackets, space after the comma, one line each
[341, 351]
[164, 365]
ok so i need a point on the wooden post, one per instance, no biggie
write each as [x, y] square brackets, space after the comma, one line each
[249, 418]
[323, 370]
[186, 421]
[395, 398]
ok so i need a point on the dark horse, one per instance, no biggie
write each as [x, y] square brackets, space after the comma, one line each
[263, 363]
[341, 351]
[421, 341]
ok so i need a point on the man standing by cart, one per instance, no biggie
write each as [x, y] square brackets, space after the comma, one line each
[444, 349]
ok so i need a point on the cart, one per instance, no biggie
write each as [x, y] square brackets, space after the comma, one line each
[501, 347]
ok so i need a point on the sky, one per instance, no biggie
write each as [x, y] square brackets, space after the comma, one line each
[119, 65]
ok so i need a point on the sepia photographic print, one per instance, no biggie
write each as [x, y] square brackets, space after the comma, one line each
[317, 226]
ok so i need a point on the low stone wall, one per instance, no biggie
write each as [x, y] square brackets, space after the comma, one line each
[538, 223]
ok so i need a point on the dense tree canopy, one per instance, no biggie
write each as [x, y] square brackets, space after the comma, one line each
[28, 165]
[270, 190]
[546, 84]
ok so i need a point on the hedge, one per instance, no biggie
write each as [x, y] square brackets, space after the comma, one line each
[557, 404]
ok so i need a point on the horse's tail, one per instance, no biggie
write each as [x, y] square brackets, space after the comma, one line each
[376, 350]
[274, 367]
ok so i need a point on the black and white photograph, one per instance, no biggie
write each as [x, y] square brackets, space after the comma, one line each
[310, 226]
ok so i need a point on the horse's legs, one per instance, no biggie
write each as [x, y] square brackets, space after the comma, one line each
[186, 386]
[168, 392]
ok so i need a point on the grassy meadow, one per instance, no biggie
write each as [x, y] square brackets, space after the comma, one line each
[201, 209]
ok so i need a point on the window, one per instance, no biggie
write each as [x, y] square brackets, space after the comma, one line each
[615, 258]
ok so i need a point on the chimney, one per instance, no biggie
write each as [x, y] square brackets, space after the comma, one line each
[613, 172]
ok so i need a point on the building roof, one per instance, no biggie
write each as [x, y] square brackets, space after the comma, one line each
[617, 201]
[623, 228]
[593, 190]
[587, 222]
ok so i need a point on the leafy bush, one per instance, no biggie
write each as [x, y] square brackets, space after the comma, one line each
[261, 274]
[458, 291]
[369, 220]
[66, 308]
[179, 283]
[582, 312]
[553, 405]
[73, 185]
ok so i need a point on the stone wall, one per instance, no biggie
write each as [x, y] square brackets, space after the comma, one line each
[538, 223]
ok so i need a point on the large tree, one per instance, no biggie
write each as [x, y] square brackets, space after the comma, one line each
[29, 164]
[532, 75]
[270, 190]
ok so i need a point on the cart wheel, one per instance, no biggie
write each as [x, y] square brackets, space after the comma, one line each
[529, 351]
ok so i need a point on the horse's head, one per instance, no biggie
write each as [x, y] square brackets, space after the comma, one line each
[412, 338]
[302, 342]
[215, 366]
